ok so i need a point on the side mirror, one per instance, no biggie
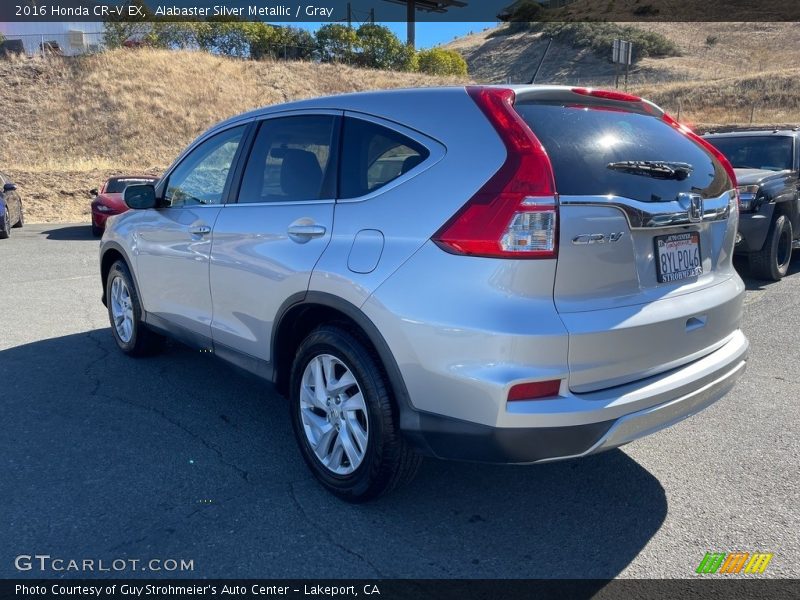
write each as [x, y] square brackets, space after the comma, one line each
[94, 192]
[140, 197]
[9, 187]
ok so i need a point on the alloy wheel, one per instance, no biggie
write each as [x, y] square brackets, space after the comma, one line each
[122, 309]
[334, 414]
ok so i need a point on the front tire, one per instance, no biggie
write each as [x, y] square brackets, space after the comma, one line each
[21, 222]
[125, 314]
[772, 261]
[344, 419]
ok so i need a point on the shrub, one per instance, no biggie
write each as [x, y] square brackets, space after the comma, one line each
[599, 37]
[438, 61]
[522, 11]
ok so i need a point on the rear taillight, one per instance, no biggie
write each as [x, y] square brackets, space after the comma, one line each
[705, 144]
[515, 214]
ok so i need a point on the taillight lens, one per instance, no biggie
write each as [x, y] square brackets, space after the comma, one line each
[534, 391]
[705, 144]
[515, 214]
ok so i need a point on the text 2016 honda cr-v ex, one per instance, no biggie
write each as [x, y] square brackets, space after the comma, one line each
[514, 274]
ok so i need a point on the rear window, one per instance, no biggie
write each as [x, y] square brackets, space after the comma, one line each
[582, 141]
[754, 152]
[117, 186]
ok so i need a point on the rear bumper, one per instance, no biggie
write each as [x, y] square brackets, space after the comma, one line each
[99, 219]
[589, 423]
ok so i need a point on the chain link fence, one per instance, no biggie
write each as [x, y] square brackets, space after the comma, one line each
[69, 43]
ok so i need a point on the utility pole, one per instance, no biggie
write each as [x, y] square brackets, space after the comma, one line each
[372, 16]
[411, 31]
[349, 15]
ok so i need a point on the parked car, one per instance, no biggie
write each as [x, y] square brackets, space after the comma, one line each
[11, 213]
[547, 275]
[108, 200]
[767, 164]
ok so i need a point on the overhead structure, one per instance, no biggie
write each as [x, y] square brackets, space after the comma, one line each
[430, 6]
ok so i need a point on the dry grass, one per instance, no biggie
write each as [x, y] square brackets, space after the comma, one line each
[70, 123]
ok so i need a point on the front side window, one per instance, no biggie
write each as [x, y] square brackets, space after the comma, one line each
[201, 177]
[773, 153]
[373, 155]
[290, 161]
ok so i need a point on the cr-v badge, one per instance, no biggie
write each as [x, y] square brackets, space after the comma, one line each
[597, 238]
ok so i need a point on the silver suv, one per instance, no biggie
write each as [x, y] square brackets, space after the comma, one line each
[503, 274]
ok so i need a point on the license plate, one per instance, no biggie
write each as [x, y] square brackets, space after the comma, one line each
[678, 256]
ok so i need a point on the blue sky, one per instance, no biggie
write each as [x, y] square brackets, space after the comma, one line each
[428, 34]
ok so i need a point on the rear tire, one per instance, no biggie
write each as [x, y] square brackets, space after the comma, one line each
[772, 261]
[353, 415]
[96, 231]
[5, 226]
[125, 314]
[21, 221]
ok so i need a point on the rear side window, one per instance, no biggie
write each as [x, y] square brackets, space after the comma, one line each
[373, 155]
[582, 142]
[290, 161]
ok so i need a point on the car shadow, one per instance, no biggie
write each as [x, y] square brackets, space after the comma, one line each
[751, 283]
[180, 456]
[70, 232]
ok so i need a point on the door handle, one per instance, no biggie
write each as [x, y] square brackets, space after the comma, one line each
[306, 232]
[199, 229]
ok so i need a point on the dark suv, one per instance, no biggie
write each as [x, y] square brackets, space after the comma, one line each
[767, 163]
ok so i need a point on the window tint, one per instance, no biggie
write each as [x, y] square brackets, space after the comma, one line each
[582, 141]
[201, 177]
[751, 152]
[373, 155]
[289, 161]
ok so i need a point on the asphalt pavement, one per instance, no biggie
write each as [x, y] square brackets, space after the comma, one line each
[180, 457]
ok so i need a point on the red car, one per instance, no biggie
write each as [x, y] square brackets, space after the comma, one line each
[109, 200]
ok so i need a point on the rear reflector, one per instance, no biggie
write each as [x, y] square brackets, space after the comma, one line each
[534, 391]
[515, 214]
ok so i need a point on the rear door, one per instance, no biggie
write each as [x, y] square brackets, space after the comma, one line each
[266, 244]
[644, 279]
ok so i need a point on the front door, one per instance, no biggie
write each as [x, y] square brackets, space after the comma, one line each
[174, 242]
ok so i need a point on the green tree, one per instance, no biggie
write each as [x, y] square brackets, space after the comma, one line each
[171, 35]
[336, 43]
[438, 61]
[118, 30]
[270, 41]
[379, 48]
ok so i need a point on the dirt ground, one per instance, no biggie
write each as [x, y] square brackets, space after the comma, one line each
[60, 197]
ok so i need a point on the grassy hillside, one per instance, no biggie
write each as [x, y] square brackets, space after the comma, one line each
[70, 123]
[724, 72]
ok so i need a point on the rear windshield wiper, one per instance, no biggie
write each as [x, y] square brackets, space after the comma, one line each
[653, 168]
